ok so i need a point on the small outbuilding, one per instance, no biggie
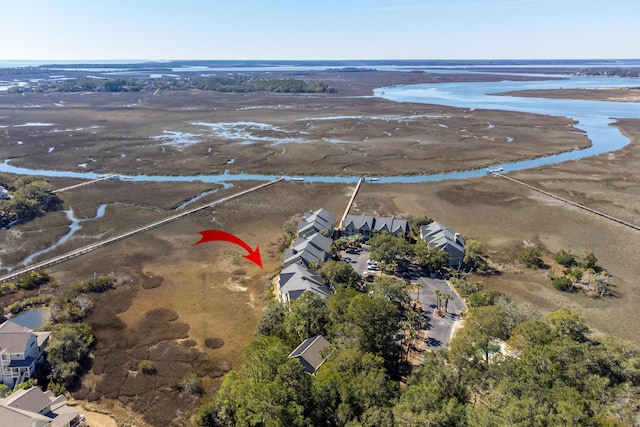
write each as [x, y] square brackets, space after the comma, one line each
[310, 353]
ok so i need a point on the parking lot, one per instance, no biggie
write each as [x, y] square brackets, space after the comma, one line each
[358, 261]
[439, 330]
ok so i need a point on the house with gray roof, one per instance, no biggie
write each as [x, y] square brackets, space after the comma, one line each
[20, 349]
[358, 224]
[392, 225]
[437, 235]
[295, 280]
[308, 252]
[368, 225]
[33, 407]
[310, 353]
[320, 221]
[317, 240]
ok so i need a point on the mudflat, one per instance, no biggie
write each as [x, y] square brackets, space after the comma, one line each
[176, 298]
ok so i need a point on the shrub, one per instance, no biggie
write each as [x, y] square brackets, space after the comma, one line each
[98, 284]
[34, 280]
[531, 257]
[147, 367]
[565, 258]
[562, 283]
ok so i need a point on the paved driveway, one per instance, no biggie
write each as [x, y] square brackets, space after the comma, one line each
[358, 261]
[439, 330]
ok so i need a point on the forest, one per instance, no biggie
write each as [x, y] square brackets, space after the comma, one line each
[216, 84]
[29, 197]
[507, 366]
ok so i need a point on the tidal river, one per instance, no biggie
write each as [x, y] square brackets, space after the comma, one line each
[593, 117]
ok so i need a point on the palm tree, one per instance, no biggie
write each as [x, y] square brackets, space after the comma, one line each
[418, 286]
[446, 298]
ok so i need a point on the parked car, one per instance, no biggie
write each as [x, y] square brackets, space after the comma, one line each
[347, 259]
[352, 251]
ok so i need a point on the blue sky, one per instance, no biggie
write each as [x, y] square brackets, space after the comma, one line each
[319, 29]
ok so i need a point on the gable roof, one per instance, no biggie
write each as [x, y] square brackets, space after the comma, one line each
[20, 418]
[25, 407]
[13, 337]
[359, 221]
[309, 352]
[438, 236]
[32, 399]
[315, 222]
[296, 280]
[308, 251]
[391, 224]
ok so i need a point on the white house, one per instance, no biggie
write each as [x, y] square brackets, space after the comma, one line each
[4, 194]
[20, 350]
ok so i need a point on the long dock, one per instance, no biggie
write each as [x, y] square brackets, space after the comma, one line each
[82, 184]
[92, 247]
[353, 197]
[562, 199]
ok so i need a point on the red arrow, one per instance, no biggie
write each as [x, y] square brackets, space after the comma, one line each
[215, 235]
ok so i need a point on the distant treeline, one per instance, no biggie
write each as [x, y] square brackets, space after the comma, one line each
[218, 84]
[613, 72]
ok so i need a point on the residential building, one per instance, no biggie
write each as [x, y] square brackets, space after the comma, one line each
[358, 224]
[437, 235]
[310, 353]
[20, 349]
[4, 194]
[392, 225]
[368, 225]
[295, 279]
[308, 251]
[33, 407]
[320, 221]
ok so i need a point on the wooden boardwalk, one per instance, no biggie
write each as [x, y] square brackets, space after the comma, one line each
[348, 208]
[82, 184]
[92, 247]
[562, 199]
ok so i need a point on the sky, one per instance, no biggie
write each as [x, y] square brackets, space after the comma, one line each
[318, 29]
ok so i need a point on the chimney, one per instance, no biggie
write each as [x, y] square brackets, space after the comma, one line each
[456, 237]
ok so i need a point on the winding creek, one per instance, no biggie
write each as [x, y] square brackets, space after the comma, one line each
[592, 117]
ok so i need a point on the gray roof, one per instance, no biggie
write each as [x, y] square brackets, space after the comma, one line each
[305, 251]
[359, 221]
[438, 236]
[389, 224]
[24, 406]
[319, 241]
[19, 418]
[296, 279]
[13, 337]
[316, 221]
[32, 399]
[309, 352]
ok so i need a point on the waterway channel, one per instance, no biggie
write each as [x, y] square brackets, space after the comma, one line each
[592, 117]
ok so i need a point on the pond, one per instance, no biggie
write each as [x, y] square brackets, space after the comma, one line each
[33, 319]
